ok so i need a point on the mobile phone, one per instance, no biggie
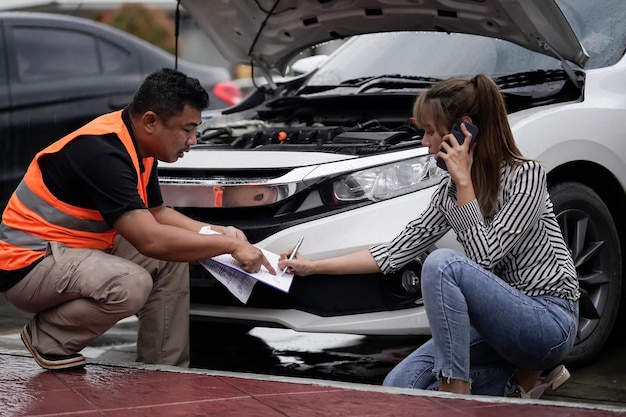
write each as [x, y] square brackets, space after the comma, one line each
[460, 137]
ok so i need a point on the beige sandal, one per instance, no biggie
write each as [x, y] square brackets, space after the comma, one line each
[557, 377]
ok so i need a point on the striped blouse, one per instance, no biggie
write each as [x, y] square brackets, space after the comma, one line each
[521, 243]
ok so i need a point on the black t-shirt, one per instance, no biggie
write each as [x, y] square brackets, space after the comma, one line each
[93, 172]
[96, 172]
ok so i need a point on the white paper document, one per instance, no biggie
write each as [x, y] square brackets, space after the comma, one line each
[240, 283]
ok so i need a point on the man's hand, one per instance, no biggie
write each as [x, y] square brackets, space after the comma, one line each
[234, 232]
[252, 258]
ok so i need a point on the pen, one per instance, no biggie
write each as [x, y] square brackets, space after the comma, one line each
[293, 252]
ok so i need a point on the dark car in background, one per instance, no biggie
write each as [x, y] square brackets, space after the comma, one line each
[58, 72]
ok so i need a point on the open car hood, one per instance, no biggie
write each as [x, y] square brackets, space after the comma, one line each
[269, 33]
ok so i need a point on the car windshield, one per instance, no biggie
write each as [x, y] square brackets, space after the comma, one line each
[426, 54]
[440, 55]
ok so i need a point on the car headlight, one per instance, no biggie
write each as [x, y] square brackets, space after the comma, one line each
[387, 181]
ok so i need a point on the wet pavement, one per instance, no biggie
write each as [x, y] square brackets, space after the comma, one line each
[284, 355]
[124, 390]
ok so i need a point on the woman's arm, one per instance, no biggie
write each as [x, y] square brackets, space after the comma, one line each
[416, 237]
[360, 262]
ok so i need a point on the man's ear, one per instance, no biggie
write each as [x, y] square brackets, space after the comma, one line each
[149, 120]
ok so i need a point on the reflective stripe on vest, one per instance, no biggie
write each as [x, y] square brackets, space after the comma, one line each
[34, 216]
[56, 216]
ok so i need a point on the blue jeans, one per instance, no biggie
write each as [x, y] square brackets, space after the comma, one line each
[483, 329]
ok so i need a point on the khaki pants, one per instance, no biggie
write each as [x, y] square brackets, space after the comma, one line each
[78, 294]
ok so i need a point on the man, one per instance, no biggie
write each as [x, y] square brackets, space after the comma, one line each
[85, 239]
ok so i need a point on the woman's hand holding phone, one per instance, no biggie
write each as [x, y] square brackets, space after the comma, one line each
[460, 136]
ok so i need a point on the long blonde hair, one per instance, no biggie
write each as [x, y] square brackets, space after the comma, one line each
[479, 99]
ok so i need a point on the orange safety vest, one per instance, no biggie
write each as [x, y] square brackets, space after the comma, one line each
[34, 216]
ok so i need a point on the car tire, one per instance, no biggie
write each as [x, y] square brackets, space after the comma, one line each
[591, 236]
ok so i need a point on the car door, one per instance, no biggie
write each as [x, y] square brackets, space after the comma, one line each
[61, 76]
[5, 123]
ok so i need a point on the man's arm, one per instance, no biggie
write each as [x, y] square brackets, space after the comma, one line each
[169, 216]
[181, 242]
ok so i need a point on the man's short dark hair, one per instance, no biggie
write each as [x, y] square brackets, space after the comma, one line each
[166, 92]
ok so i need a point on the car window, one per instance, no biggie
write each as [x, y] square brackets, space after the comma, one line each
[112, 56]
[51, 53]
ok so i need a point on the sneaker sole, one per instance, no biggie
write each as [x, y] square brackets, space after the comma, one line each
[61, 364]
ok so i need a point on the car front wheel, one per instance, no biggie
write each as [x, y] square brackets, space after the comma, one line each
[591, 236]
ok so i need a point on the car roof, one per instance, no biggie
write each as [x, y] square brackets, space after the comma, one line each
[152, 56]
[61, 19]
[270, 33]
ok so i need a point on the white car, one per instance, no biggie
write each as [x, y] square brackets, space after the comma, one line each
[333, 155]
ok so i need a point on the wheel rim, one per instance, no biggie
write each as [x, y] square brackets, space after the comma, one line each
[592, 266]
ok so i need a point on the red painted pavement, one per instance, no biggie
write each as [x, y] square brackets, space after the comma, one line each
[105, 390]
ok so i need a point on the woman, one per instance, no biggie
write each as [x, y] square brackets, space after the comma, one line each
[507, 308]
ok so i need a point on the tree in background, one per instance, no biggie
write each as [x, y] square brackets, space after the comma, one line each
[150, 24]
